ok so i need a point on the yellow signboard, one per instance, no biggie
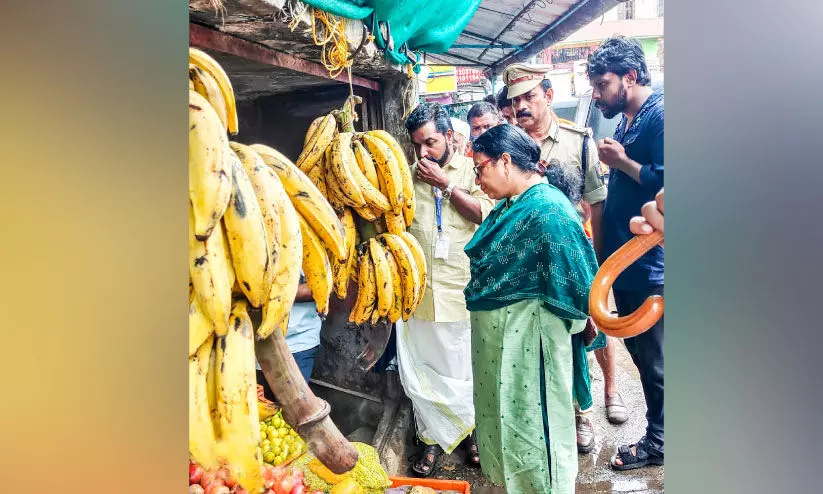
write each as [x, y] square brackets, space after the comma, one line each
[441, 79]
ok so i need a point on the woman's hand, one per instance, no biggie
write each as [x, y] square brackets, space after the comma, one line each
[651, 219]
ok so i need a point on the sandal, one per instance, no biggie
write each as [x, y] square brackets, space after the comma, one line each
[473, 453]
[585, 434]
[644, 456]
[616, 410]
[426, 461]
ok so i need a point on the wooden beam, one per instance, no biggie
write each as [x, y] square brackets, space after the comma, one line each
[203, 37]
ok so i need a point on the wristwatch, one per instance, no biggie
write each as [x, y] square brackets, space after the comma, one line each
[447, 192]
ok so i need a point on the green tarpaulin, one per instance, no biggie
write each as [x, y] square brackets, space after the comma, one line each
[422, 25]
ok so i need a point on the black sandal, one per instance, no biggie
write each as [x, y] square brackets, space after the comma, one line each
[644, 456]
[423, 466]
[473, 453]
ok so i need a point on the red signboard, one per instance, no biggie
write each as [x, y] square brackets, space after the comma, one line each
[467, 76]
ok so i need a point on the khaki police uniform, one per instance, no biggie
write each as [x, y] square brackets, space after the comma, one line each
[564, 142]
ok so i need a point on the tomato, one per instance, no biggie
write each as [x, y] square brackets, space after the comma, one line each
[298, 489]
[217, 487]
[196, 489]
[195, 473]
[239, 490]
[207, 477]
[286, 484]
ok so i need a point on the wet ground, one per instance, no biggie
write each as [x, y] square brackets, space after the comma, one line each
[595, 475]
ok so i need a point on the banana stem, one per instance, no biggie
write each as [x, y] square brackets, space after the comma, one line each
[347, 116]
[302, 410]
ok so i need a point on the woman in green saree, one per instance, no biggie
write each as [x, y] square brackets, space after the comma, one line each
[531, 270]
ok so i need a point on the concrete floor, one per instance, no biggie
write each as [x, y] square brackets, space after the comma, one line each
[595, 475]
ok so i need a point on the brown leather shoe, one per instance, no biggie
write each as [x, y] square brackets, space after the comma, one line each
[585, 434]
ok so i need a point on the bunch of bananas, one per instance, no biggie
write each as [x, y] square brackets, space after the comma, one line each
[367, 174]
[253, 217]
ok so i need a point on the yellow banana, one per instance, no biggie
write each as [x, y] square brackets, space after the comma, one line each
[407, 265]
[382, 273]
[266, 190]
[202, 440]
[317, 143]
[365, 162]
[317, 268]
[307, 199]
[333, 192]
[209, 166]
[237, 400]
[287, 270]
[396, 310]
[388, 171]
[200, 327]
[420, 259]
[340, 165]
[318, 178]
[248, 242]
[367, 213]
[313, 126]
[347, 170]
[206, 86]
[394, 222]
[341, 267]
[210, 65]
[405, 172]
[191, 85]
[366, 288]
[209, 270]
[211, 389]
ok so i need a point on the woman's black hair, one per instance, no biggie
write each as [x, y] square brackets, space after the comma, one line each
[507, 138]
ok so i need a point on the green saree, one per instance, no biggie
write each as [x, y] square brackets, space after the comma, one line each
[531, 267]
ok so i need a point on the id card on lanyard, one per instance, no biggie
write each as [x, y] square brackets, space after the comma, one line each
[441, 244]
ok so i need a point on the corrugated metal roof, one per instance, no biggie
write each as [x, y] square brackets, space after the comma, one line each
[499, 27]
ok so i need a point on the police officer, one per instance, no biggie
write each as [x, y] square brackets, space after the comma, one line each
[530, 91]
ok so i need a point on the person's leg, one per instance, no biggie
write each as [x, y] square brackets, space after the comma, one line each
[581, 388]
[646, 350]
[305, 361]
[616, 410]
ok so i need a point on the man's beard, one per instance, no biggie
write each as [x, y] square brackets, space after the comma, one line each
[610, 110]
[445, 158]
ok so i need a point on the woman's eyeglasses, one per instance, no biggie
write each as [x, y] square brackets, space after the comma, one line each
[479, 168]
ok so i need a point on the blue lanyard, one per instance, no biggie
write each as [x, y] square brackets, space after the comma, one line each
[438, 209]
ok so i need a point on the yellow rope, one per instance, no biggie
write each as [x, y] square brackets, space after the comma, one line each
[336, 57]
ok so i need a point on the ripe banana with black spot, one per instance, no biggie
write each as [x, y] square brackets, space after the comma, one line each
[265, 189]
[365, 162]
[210, 65]
[237, 400]
[307, 199]
[406, 263]
[206, 86]
[420, 259]
[388, 171]
[315, 147]
[248, 242]
[287, 270]
[382, 273]
[202, 440]
[394, 222]
[341, 268]
[347, 171]
[209, 166]
[209, 269]
[366, 287]
[405, 172]
[317, 268]
[396, 310]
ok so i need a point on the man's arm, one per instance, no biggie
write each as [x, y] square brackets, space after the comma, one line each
[597, 232]
[303, 293]
[464, 202]
[649, 176]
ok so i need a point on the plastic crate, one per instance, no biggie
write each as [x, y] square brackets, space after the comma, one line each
[436, 484]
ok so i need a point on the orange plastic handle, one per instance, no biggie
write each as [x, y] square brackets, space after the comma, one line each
[647, 314]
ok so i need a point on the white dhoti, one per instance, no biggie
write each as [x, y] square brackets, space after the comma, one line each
[435, 367]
